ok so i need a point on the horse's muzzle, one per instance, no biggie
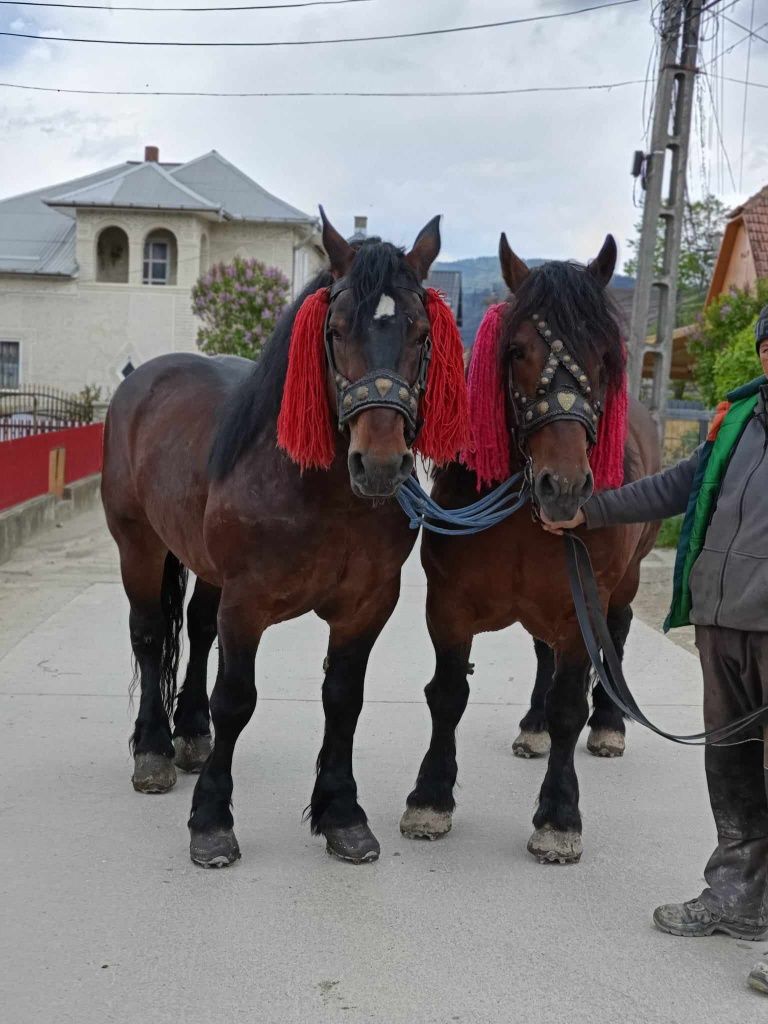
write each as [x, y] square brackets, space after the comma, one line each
[374, 477]
[560, 497]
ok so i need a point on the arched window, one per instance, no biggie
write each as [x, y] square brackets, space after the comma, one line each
[160, 258]
[205, 257]
[112, 256]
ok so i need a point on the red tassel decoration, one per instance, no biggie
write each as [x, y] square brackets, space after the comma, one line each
[488, 453]
[445, 430]
[607, 458]
[304, 426]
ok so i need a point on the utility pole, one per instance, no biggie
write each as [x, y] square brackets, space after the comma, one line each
[665, 168]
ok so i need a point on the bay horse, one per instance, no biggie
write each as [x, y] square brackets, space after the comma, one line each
[238, 472]
[538, 383]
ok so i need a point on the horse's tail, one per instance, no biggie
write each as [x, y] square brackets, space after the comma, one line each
[172, 600]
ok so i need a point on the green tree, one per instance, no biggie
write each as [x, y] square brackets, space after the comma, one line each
[239, 304]
[720, 345]
[702, 227]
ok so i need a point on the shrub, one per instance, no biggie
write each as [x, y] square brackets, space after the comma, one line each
[669, 534]
[737, 363]
[239, 304]
[717, 331]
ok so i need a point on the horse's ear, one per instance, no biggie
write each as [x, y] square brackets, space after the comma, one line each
[425, 249]
[513, 270]
[340, 252]
[604, 264]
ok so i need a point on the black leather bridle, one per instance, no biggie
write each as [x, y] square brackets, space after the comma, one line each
[562, 393]
[382, 388]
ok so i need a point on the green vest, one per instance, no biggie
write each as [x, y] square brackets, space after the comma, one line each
[713, 462]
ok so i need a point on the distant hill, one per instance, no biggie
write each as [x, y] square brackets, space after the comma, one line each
[482, 284]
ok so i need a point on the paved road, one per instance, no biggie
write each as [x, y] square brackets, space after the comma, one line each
[106, 920]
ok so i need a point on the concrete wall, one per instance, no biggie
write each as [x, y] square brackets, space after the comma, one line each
[83, 331]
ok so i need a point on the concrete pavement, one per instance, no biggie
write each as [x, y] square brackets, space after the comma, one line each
[106, 920]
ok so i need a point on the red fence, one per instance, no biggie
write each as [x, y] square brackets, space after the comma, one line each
[25, 464]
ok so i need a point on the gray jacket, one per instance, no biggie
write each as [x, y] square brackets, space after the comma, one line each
[729, 581]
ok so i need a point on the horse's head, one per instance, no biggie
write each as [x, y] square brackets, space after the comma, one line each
[562, 351]
[377, 337]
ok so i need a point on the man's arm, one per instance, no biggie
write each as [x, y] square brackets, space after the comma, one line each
[659, 496]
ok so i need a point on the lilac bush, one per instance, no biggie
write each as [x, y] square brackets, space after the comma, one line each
[239, 304]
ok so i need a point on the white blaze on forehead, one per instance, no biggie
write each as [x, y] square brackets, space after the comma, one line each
[386, 307]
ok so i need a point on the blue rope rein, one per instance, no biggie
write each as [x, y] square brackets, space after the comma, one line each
[422, 511]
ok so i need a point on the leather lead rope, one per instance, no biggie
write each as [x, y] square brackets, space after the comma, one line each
[607, 665]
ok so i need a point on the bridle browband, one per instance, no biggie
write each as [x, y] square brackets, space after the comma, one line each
[378, 389]
[563, 392]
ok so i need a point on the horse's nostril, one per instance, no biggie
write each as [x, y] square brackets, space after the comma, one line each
[548, 487]
[588, 485]
[406, 466]
[356, 467]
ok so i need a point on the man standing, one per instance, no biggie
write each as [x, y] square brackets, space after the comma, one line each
[721, 586]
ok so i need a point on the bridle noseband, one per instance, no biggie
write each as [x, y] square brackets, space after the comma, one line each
[378, 389]
[562, 393]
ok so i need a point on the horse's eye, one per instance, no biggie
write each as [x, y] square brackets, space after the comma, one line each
[517, 353]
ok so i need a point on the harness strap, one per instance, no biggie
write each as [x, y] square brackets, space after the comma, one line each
[596, 635]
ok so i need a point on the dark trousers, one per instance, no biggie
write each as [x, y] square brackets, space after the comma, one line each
[735, 667]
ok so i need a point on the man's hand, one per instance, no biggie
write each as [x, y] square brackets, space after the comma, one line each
[558, 528]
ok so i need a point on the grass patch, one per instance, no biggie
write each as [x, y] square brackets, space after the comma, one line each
[669, 534]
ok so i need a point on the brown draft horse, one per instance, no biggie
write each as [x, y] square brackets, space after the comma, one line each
[193, 479]
[515, 572]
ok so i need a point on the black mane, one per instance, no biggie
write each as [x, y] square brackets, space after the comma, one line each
[256, 404]
[579, 308]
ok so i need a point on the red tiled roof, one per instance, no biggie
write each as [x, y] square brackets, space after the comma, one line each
[755, 215]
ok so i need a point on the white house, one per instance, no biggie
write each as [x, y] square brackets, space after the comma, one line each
[96, 273]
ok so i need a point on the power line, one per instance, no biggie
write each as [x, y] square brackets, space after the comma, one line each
[746, 96]
[304, 94]
[186, 10]
[750, 33]
[719, 132]
[322, 42]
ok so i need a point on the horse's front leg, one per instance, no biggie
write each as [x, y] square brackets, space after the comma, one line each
[233, 701]
[607, 730]
[557, 820]
[533, 740]
[334, 810]
[429, 807]
[191, 721]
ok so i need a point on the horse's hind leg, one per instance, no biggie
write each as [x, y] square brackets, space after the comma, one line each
[533, 740]
[154, 583]
[607, 728]
[429, 807]
[191, 721]
[557, 820]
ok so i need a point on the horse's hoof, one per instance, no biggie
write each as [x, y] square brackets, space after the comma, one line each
[425, 823]
[531, 744]
[153, 773]
[217, 849]
[549, 846]
[355, 844]
[606, 742]
[191, 752]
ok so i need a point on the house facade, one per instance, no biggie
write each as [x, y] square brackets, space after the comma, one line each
[96, 273]
[743, 254]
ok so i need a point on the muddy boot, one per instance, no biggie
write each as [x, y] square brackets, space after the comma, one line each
[695, 920]
[758, 977]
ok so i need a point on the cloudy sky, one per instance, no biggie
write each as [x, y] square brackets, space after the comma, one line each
[552, 169]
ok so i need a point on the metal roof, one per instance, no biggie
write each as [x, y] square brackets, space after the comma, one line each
[38, 229]
[146, 186]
